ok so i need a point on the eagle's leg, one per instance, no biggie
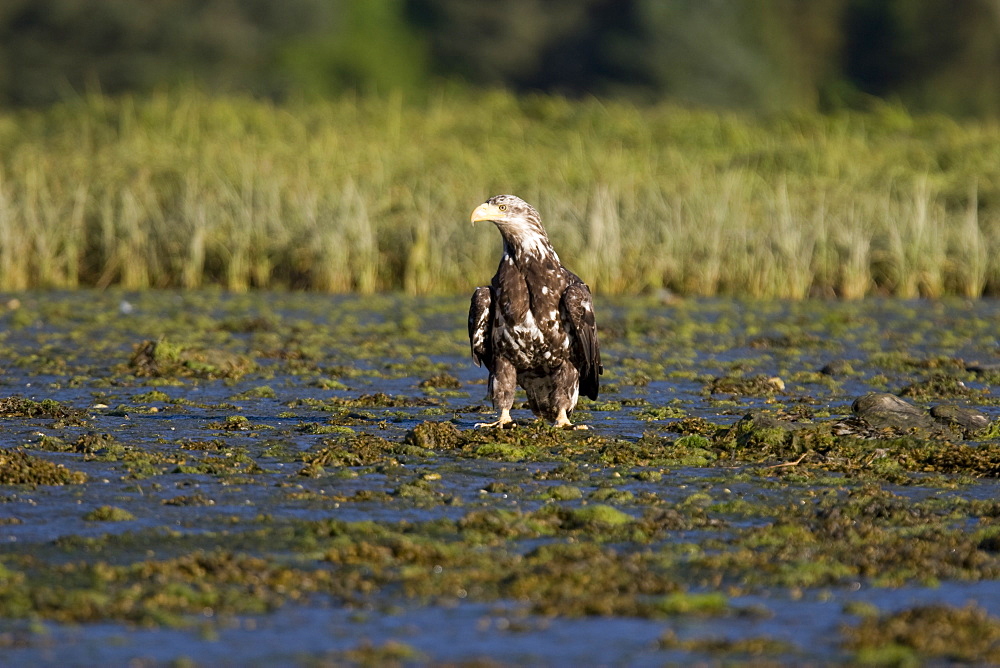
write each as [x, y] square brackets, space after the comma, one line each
[503, 384]
[562, 421]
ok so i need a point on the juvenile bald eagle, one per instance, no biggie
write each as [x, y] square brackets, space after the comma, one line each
[534, 325]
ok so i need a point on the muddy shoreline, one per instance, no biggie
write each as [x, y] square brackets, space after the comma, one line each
[197, 475]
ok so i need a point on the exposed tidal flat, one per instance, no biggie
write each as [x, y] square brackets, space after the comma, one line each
[282, 477]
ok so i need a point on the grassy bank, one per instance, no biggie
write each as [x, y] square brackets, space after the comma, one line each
[365, 194]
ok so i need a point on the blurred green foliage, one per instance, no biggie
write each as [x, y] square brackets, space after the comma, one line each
[765, 55]
[370, 192]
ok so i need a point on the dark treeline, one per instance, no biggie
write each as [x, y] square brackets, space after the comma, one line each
[931, 55]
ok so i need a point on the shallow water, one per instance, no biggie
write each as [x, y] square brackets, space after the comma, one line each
[213, 455]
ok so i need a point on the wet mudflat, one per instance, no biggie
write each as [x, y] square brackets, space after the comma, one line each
[212, 479]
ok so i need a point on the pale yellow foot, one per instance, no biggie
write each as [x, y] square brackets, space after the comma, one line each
[562, 422]
[505, 421]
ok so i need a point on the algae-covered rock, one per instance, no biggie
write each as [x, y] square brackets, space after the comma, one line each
[881, 410]
[164, 358]
[837, 368]
[417, 489]
[967, 419]
[441, 381]
[29, 408]
[762, 430]
[938, 386]
[19, 468]
[357, 450]
[233, 423]
[382, 400]
[597, 514]
[563, 493]
[694, 426]
[951, 634]
[109, 514]
[753, 386]
[434, 435]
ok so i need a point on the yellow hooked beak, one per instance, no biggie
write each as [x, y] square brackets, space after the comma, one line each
[487, 211]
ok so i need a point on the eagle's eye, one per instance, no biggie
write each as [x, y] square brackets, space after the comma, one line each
[502, 207]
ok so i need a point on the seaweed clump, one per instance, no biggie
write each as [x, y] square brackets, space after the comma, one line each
[163, 358]
[19, 468]
[441, 381]
[20, 407]
[754, 386]
[941, 385]
[358, 450]
[434, 435]
[967, 635]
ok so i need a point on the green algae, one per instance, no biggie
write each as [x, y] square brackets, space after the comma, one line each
[756, 646]
[758, 385]
[942, 386]
[441, 381]
[611, 495]
[367, 555]
[434, 436]
[778, 437]
[673, 505]
[661, 413]
[869, 534]
[46, 408]
[912, 636]
[259, 392]
[159, 358]
[563, 493]
[358, 450]
[152, 396]
[694, 604]
[559, 578]
[109, 514]
[19, 468]
[391, 653]
[233, 423]
[598, 515]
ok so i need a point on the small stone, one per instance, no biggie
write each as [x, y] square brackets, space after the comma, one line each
[837, 368]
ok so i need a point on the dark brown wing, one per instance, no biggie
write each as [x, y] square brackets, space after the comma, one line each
[481, 327]
[578, 314]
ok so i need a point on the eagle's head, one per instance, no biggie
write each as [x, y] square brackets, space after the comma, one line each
[515, 218]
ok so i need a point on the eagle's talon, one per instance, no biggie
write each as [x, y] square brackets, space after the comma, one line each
[499, 424]
[562, 422]
[504, 422]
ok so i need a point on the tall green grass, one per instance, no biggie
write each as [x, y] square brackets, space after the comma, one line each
[367, 194]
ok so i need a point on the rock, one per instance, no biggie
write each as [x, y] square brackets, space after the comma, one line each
[441, 381]
[756, 386]
[764, 431]
[161, 358]
[434, 435]
[965, 418]
[837, 368]
[764, 419]
[881, 409]
[983, 368]
[990, 544]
